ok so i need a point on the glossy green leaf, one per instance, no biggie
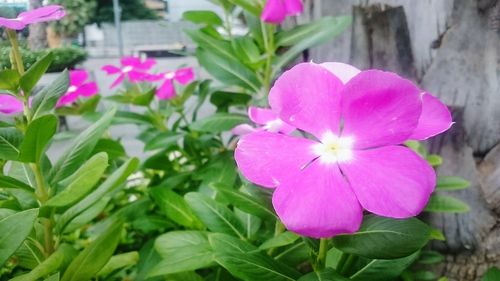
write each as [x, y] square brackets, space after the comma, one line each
[182, 251]
[223, 100]
[115, 180]
[328, 274]
[9, 80]
[9, 182]
[405, 237]
[38, 135]
[118, 262]
[95, 256]
[244, 201]
[219, 122]
[53, 277]
[162, 140]
[203, 17]
[210, 44]
[382, 270]
[451, 183]
[434, 160]
[113, 148]
[430, 257]
[283, 239]
[425, 275]
[299, 42]
[493, 274]
[148, 258]
[10, 139]
[252, 6]
[80, 149]
[446, 204]
[15, 228]
[215, 216]
[47, 98]
[81, 182]
[174, 207]
[88, 215]
[35, 72]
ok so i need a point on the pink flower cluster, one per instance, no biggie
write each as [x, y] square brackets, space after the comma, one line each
[355, 159]
[43, 14]
[275, 11]
[136, 70]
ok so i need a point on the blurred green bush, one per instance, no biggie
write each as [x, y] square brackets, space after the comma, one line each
[64, 57]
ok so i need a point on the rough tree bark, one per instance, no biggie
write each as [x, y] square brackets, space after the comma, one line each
[37, 38]
[452, 49]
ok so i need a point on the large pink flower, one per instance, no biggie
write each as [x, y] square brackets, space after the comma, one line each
[359, 120]
[167, 89]
[275, 11]
[268, 121]
[10, 104]
[134, 68]
[43, 14]
[78, 87]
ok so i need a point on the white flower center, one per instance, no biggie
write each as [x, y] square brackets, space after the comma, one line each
[170, 75]
[334, 149]
[274, 125]
[72, 89]
[127, 68]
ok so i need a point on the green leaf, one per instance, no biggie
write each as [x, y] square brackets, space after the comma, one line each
[430, 257]
[80, 149]
[243, 261]
[493, 274]
[228, 71]
[328, 274]
[451, 183]
[115, 180]
[113, 148]
[283, 239]
[15, 228]
[215, 216]
[218, 122]
[182, 251]
[331, 27]
[382, 270]
[162, 140]
[118, 262]
[53, 277]
[10, 139]
[214, 45]
[220, 169]
[174, 207]
[9, 182]
[38, 135]
[405, 237]
[35, 72]
[47, 98]
[244, 201]
[88, 215]
[95, 256]
[148, 258]
[203, 17]
[252, 6]
[63, 255]
[9, 80]
[222, 100]
[81, 182]
[446, 204]
[425, 275]
[434, 160]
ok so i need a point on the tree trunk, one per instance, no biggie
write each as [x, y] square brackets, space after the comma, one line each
[452, 49]
[37, 38]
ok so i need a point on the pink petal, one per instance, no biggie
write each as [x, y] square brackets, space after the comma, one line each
[137, 76]
[43, 14]
[184, 75]
[111, 69]
[88, 89]
[261, 115]
[66, 99]
[147, 64]
[12, 23]
[344, 72]
[274, 12]
[242, 129]
[318, 202]
[118, 80]
[10, 104]
[78, 77]
[308, 97]
[379, 108]
[435, 118]
[166, 90]
[293, 7]
[267, 159]
[130, 61]
[390, 181]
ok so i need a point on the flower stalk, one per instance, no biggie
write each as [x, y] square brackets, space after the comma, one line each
[323, 250]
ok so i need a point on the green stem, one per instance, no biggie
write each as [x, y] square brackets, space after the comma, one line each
[16, 54]
[323, 250]
[347, 264]
[268, 37]
[42, 193]
[278, 229]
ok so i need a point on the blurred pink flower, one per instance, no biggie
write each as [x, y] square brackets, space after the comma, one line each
[133, 68]
[43, 14]
[78, 87]
[10, 104]
[268, 120]
[167, 89]
[356, 161]
[275, 11]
